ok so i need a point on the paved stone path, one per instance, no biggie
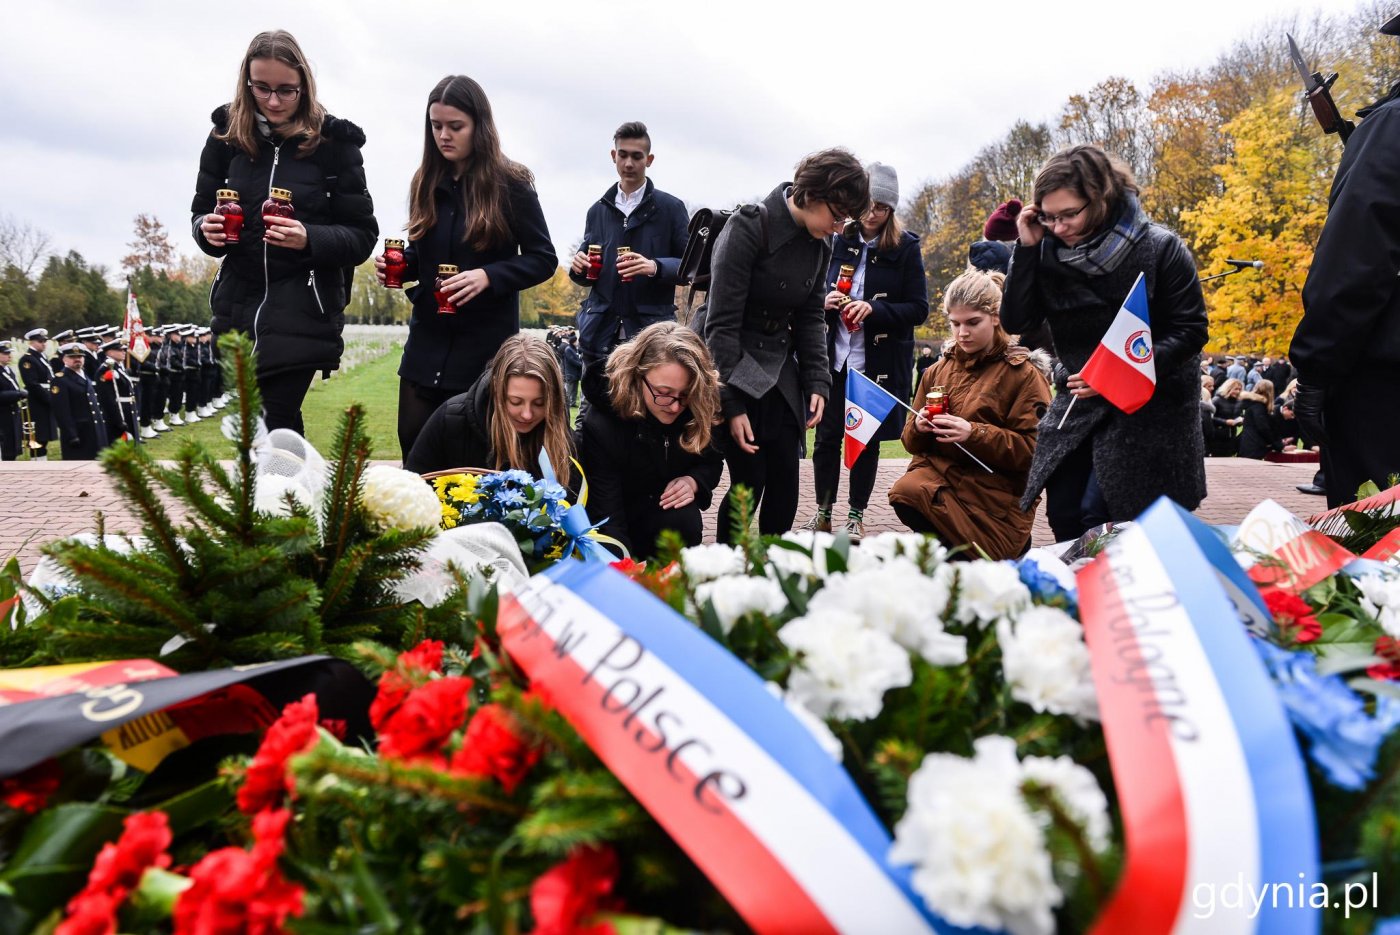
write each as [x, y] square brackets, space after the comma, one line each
[42, 501]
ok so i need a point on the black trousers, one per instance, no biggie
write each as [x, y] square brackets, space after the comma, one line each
[416, 404]
[175, 397]
[1074, 503]
[646, 521]
[826, 453]
[282, 396]
[1362, 443]
[11, 434]
[770, 473]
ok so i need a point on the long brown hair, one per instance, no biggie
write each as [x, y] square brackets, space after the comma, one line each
[524, 355]
[667, 342]
[891, 232]
[242, 131]
[1100, 178]
[485, 191]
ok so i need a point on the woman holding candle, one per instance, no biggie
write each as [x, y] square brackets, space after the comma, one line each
[286, 268]
[514, 410]
[647, 444]
[869, 328]
[1083, 241]
[994, 395]
[473, 209]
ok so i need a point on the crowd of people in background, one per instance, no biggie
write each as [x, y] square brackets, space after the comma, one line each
[812, 286]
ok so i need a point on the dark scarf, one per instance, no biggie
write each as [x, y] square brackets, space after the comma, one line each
[1102, 254]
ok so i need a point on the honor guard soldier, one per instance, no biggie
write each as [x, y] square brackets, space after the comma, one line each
[175, 357]
[116, 392]
[160, 353]
[92, 350]
[193, 376]
[208, 373]
[60, 340]
[36, 374]
[82, 430]
[11, 425]
[149, 391]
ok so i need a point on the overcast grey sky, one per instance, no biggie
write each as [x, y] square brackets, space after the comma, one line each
[105, 105]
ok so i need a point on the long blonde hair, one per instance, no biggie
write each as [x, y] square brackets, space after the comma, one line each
[524, 355]
[667, 342]
[242, 130]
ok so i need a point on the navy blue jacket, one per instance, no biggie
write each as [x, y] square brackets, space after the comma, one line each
[898, 276]
[657, 229]
[450, 351]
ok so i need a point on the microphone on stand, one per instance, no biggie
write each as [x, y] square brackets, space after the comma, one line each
[1246, 264]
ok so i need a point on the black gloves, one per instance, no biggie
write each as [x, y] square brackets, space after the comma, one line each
[1307, 407]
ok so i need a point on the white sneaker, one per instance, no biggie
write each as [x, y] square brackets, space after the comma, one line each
[192, 416]
[219, 403]
[160, 426]
[176, 420]
[149, 432]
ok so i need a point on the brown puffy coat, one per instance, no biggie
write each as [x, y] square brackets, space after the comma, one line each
[1003, 394]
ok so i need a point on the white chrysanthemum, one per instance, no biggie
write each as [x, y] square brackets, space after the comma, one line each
[791, 562]
[989, 591]
[923, 550]
[1078, 792]
[708, 562]
[1046, 662]
[896, 598]
[1380, 597]
[399, 499]
[815, 725]
[845, 667]
[733, 596]
[977, 850]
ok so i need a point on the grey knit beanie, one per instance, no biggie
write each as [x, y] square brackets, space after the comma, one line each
[884, 185]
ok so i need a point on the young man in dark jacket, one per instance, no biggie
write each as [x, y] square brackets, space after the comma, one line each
[633, 213]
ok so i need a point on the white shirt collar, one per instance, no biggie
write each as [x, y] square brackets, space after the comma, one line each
[628, 203]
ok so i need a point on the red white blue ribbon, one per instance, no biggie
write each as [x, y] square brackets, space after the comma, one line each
[1212, 787]
[780, 829]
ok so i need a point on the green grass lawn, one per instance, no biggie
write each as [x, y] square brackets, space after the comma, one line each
[375, 386]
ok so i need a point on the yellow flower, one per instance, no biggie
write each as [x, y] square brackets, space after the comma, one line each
[554, 552]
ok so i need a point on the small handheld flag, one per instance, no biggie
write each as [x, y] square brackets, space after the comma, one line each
[1122, 369]
[867, 407]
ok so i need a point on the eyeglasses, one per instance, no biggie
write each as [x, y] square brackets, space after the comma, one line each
[1064, 217]
[263, 93]
[878, 208]
[665, 399]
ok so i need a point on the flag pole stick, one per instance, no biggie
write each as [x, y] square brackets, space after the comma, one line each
[1072, 401]
[920, 415]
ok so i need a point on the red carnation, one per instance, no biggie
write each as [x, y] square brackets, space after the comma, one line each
[29, 792]
[493, 749]
[630, 567]
[1293, 616]
[116, 872]
[426, 720]
[1388, 648]
[422, 660]
[238, 891]
[267, 781]
[567, 895]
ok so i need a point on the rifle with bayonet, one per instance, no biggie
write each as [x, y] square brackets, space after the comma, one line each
[1319, 92]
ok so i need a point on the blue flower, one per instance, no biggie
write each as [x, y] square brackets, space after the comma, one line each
[1045, 587]
[551, 491]
[509, 497]
[516, 476]
[1343, 739]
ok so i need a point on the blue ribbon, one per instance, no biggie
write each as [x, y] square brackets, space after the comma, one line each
[583, 534]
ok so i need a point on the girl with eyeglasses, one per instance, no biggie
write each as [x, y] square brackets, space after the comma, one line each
[647, 445]
[1082, 243]
[514, 410]
[473, 208]
[888, 300]
[286, 281]
[764, 322]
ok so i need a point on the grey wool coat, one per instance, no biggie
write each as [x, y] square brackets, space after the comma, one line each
[1157, 450]
[763, 316]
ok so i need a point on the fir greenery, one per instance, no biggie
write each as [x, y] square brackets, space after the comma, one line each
[210, 581]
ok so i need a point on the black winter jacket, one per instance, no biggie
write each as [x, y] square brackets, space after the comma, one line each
[629, 462]
[291, 302]
[1260, 435]
[658, 230]
[450, 351]
[888, 332]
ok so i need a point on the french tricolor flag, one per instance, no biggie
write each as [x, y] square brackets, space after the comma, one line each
[1121, 368]
[867, 407]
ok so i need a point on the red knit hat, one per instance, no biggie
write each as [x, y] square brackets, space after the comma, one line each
[1002, 223]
